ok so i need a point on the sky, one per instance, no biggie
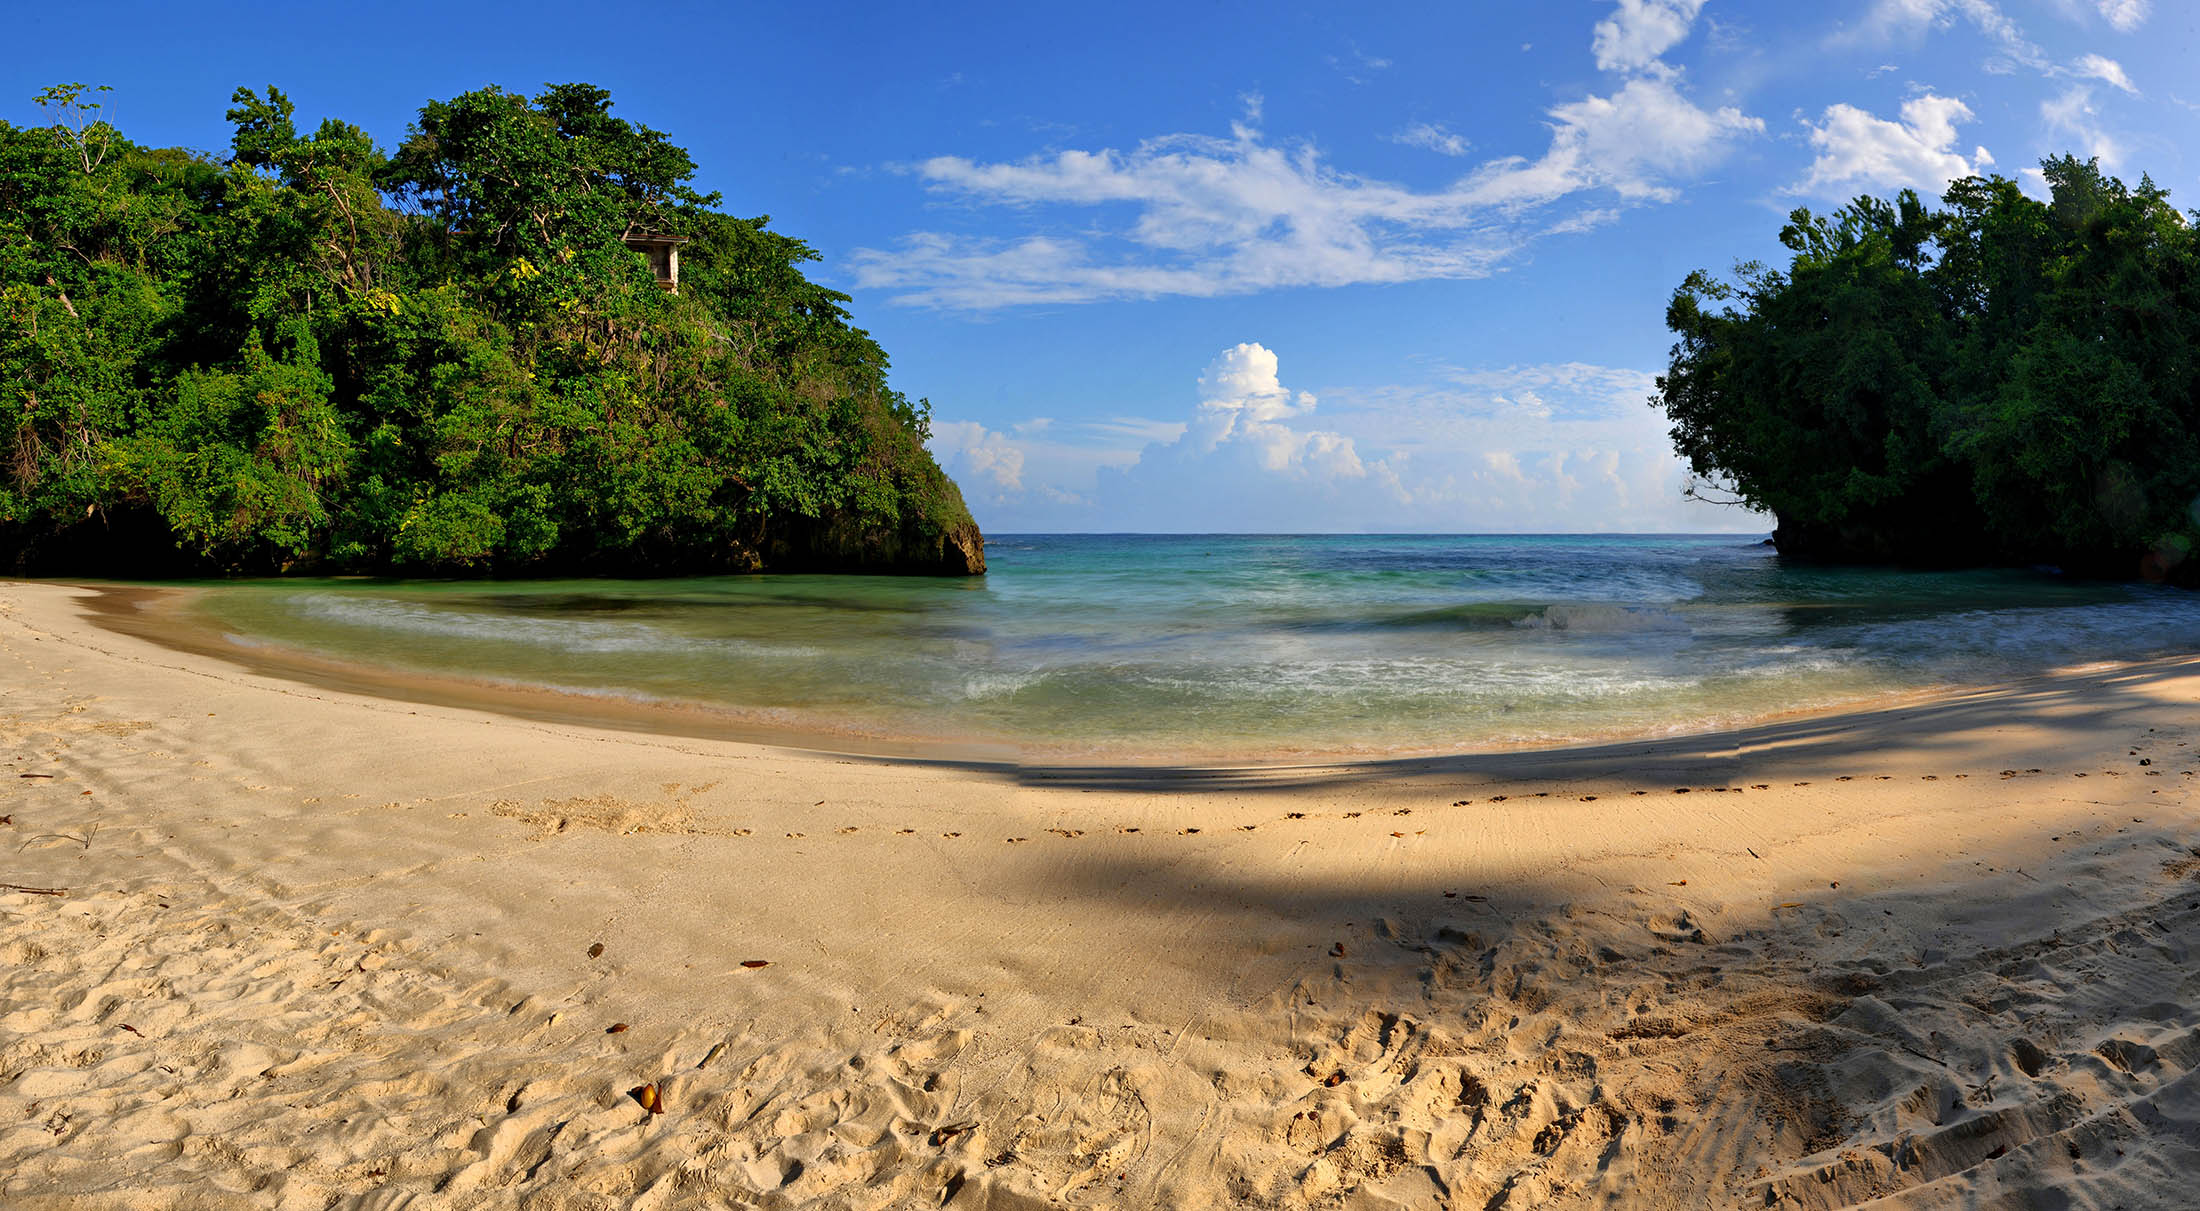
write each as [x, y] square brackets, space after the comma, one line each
[1259, 267]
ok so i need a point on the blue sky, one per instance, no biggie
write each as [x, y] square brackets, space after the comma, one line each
[1249, 267]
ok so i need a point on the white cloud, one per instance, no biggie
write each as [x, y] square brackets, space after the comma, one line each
[1857, 150]
[1433, 136]
[1911, 18]
[983, 459]
[1557, 447]
[2070, 118]
[1633, 38]
[2106, 70]
[1241, 402]
[1243, 463]
[1631, 142]
[1212, 216]
[2124, 15]
[1229, 216]
[1585, 221]
[1553, 447]
[1361, 62]
[1048, 466]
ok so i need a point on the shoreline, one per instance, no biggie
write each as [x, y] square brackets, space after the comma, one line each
[318, 948]
[159, 615]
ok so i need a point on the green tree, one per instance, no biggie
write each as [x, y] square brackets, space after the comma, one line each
[314, 355]
[2005, 379]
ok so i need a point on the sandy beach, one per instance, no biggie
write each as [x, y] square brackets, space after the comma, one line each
[267, 943]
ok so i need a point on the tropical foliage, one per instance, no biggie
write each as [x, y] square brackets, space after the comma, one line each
[315, 354]
[2002, 379]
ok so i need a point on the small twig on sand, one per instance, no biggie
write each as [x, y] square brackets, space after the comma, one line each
[1921, 1055]
[34, 891]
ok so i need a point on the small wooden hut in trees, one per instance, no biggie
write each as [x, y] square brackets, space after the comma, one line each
[663, 254]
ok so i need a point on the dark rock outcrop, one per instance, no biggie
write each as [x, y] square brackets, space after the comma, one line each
[844, 544]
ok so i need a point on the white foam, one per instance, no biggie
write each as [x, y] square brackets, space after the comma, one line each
[1602, 620]
[563, 634]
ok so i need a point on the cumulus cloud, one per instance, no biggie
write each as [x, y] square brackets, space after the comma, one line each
[1552, 447]
[984, 460]
[1858, 150]
[1242, 401]
[1245, 461]
[1633, 37]
[1209, 215]
[2104, 69]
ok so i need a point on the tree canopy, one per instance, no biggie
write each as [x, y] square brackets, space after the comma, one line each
[2003, 379]
[314, 354]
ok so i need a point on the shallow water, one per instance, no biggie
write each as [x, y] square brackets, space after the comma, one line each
[1246, 645]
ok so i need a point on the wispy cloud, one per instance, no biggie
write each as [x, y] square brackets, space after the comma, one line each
[1203, 215]
[2104, 69]
[1360, 67]
[1433, 136]
[1893, 19]
[2124, 15]
[1890, 19]
[2071, 121]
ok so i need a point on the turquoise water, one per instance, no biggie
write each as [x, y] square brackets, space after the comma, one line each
[1246, 645]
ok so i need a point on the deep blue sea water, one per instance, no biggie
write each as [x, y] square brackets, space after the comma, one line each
[1237, 645]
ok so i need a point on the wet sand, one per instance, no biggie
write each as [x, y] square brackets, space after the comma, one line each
[274, 943]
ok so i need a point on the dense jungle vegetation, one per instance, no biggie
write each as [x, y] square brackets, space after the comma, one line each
[315, 355]
[1999, 380]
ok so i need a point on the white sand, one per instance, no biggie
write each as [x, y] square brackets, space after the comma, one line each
[323, 950]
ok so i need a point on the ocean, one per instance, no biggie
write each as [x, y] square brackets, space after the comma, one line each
[1252, 647]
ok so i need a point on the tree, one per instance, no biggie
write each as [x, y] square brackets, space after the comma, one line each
[314, 355]
[2005, 379]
